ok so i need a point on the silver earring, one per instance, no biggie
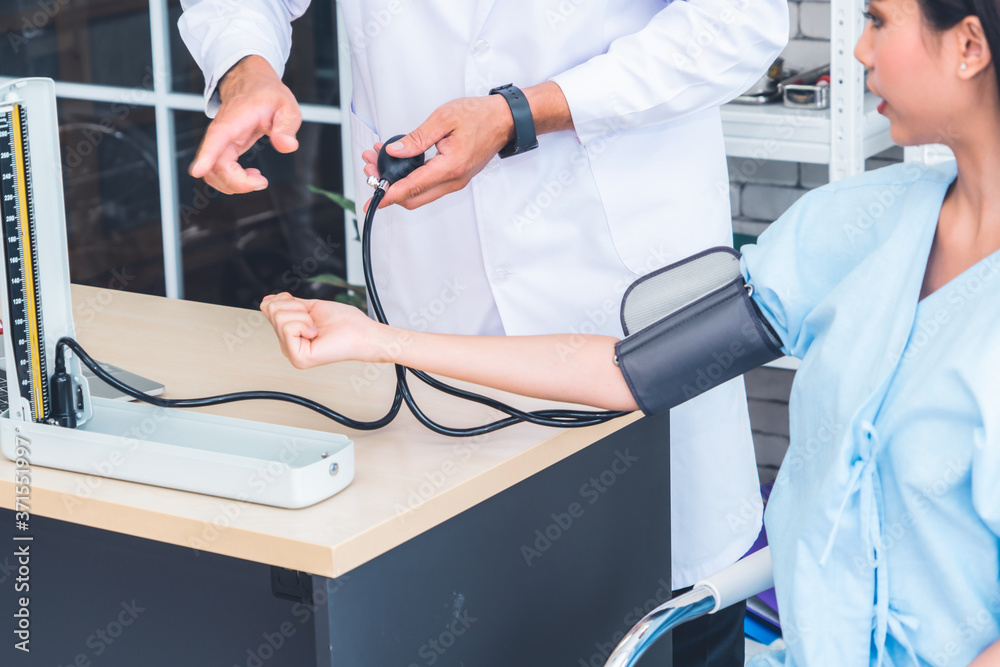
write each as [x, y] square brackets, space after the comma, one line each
[962, 66]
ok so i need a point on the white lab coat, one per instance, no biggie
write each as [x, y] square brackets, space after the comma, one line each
[548, 241]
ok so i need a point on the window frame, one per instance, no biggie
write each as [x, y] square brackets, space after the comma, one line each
[165, 102]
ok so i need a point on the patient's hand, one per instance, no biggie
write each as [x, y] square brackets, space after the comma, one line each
[314, 332]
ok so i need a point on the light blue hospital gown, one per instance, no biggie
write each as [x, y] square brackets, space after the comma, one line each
[885, 516]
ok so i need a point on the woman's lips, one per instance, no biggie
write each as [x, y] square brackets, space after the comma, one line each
[881, 107]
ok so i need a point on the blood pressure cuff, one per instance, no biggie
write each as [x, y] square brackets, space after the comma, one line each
[690, 327]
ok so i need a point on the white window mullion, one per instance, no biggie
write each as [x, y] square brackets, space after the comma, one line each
[352, 247]
[166, 152]
[312, 113]
[93, 92]
[169, 210]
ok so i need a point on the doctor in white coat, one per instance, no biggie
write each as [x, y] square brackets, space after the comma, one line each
[629, 175]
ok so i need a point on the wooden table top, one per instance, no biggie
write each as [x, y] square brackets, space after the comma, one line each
[407, 480]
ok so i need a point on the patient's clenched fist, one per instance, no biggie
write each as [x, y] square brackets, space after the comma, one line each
[312, 332]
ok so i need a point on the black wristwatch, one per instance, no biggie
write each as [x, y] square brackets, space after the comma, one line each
[524, 125]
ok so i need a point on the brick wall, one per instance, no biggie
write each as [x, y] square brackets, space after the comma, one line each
[760, 191]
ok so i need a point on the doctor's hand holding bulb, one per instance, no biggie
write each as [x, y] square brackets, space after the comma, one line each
[884, 521]
[467, 133]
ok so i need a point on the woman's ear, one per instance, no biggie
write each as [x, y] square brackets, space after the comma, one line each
[973, 50]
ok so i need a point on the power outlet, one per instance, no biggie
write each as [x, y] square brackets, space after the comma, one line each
[291, 585]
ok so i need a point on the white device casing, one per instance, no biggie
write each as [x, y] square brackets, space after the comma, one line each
[44, 162]
[220, 456]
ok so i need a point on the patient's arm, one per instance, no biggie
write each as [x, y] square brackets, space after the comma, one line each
[567, 367]
[988, 658]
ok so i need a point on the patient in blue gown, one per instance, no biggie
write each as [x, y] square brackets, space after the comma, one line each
[884, 521]
[885, 529]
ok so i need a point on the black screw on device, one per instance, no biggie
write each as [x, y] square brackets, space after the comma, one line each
[391, 168]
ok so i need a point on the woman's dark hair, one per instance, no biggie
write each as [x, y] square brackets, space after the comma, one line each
[945, 14]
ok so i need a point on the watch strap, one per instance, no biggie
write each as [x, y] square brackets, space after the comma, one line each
[524, 125]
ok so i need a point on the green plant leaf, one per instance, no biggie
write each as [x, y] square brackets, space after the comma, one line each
[338, 199]
[330, 279]
[353, 295]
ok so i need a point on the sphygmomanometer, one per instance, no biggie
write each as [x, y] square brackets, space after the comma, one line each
[689, 327]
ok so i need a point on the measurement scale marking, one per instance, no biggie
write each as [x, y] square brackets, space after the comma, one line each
[26, 257]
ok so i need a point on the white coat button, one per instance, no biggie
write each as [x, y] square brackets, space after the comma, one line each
[480, 48]
[500, 275]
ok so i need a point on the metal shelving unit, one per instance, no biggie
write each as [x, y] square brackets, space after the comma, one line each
[841, 136]
[775, 132]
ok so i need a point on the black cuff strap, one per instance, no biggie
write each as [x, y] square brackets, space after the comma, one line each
[524, 125]
[710, 341]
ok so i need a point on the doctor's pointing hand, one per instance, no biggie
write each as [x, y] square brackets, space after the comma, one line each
[254, 103]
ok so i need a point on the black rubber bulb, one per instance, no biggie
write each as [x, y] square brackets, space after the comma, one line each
[392, 168]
